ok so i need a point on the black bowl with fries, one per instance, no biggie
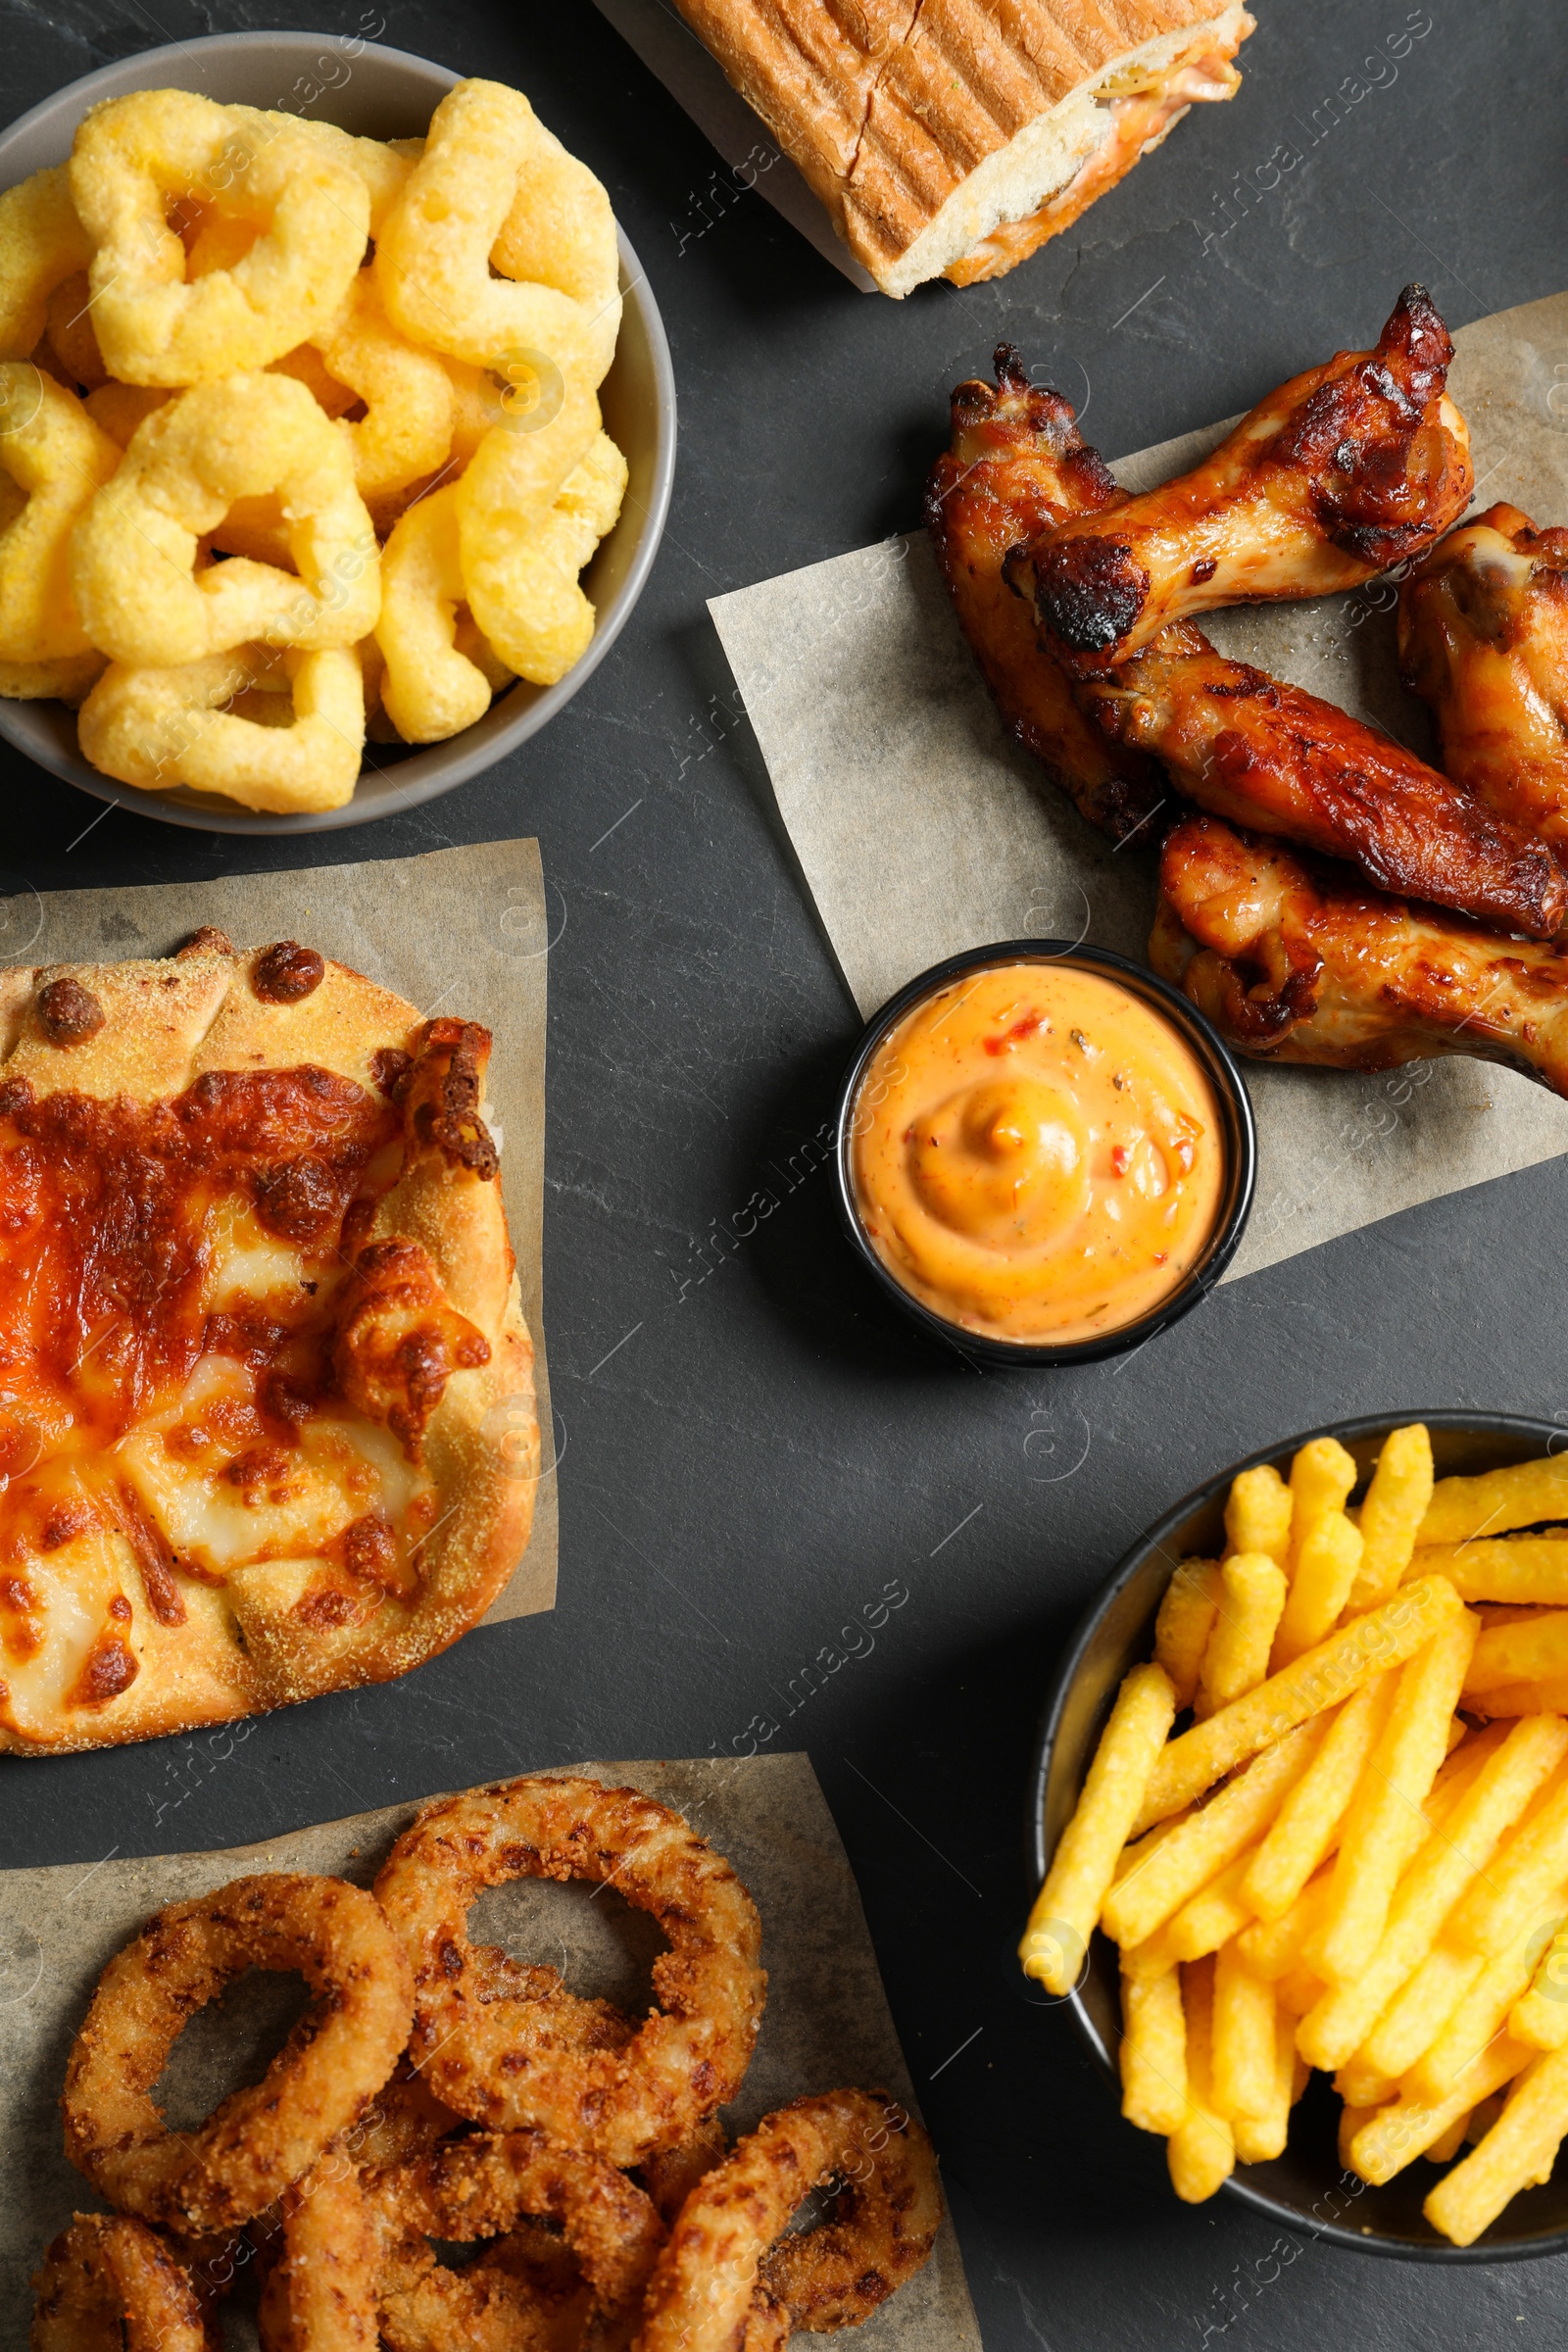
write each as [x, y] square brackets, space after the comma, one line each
[1307, 2186]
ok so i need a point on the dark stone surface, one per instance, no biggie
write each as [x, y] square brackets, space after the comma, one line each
[770, 1448]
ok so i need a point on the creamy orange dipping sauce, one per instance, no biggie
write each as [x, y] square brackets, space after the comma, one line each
[1037, 1154]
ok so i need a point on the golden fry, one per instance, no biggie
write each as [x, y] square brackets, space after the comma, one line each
[1201, 2152]
[1531, 1650]
[1252, 1596]
[1517, 1892]
[1214, 1915]
[1517, 1569]
[1520, 2149]
[1349, 1657]
[1548, 1698]
[1065, 1910]
[1541, 2015]
[1396, 2136]
[1184, 1624]
[1524, 1494]
[1445, 2151]
[1419, 2011]
[1272, 1946]
[1321, 1478]
[1154, 2052]
[1260, 2138]
[1377, 1837]
[1257, 1515]
[1395, 1503]
[1478, 2019]
[1244, 2056]
[1302, 1829]
[1437, 1878]
[1325, 1568]
[1206, 1840]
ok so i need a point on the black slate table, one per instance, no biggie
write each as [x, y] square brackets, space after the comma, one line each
[749, 1461]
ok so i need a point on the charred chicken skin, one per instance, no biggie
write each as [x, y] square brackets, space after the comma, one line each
[1247, 747]
[1342, 471]
[1016, 465]
[1484, 640]
[1296, 961]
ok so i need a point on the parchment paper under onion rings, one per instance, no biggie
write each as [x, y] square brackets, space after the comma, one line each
[498, 2060]
[109, 2281]
[263, 2137]
[728, 2270]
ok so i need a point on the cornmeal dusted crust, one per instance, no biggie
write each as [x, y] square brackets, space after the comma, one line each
[928, 127]
[266, 1403]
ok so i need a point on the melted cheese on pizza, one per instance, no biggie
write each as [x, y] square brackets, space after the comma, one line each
[172, 1423]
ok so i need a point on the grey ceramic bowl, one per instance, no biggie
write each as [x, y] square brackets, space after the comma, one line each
[386, 94]
[1307, 2188]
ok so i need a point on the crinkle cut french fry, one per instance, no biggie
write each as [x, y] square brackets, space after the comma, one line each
[1201, 2151]
[1436, 1879]
[1321, 1478]
[1519, 2150]
[1154, 2052]
[1375, 1842]
[1541, 2015]
[1419, 2011]
[1532, 1649]
[1518, 1570]
[1252, 1596]
[1184, 1624]
[1258, 1513]
[1478, 2019]
[1516, 1892]
[1395, 1505]
[1191, 1856]
[1524, 1494]
[1244, 2054]
[1261, 2137]
[1323, 1572]
[1302, 1829]
[1397, 2134]
[1067, 1906]
[1349, 1657]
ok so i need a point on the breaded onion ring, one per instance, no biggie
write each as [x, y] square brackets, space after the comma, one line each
[724, 2273]
[504, 2060]
[260, 2138]
[321, 2295]
[108, 2282]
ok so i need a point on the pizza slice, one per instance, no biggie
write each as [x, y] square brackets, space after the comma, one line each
[266, 1405]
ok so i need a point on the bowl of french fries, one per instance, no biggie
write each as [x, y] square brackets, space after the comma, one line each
[1300, 1836]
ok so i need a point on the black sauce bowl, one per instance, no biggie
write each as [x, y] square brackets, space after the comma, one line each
[1306, 2189]
[1236, 1118]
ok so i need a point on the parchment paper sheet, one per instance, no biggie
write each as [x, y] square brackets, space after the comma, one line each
[826, 2024]
[696, 81]
[922, 830]
[462, 931]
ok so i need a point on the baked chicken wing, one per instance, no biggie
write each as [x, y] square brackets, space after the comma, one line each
[1296, 962]
[1352, 466]
[1483, 639]
[1247, 747]
[1017, 463]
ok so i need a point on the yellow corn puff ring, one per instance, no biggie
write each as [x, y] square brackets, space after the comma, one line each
[71, 332]
[429, 689]
[486, 146]
[58, 460]
[385, 167]
[42, 243]
[406, 431]
[211, 724]
[154, 328]
[119, 409]
[64, 681]
[520, 564]
[134, 570]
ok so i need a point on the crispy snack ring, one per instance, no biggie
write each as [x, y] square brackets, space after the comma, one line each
[481, 2187]
[490, 166]
[428, 690]
[133, 569]
[211, 724]
[321, 2294]
[260, 2138]
[65, 681]
[153, 326]
[500, 2060]
[406, 431]
[58, 460]
[522, 579]
[42, 243]
[71, 334]
[110, 2281]
[728, 2269]
[383, 165]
